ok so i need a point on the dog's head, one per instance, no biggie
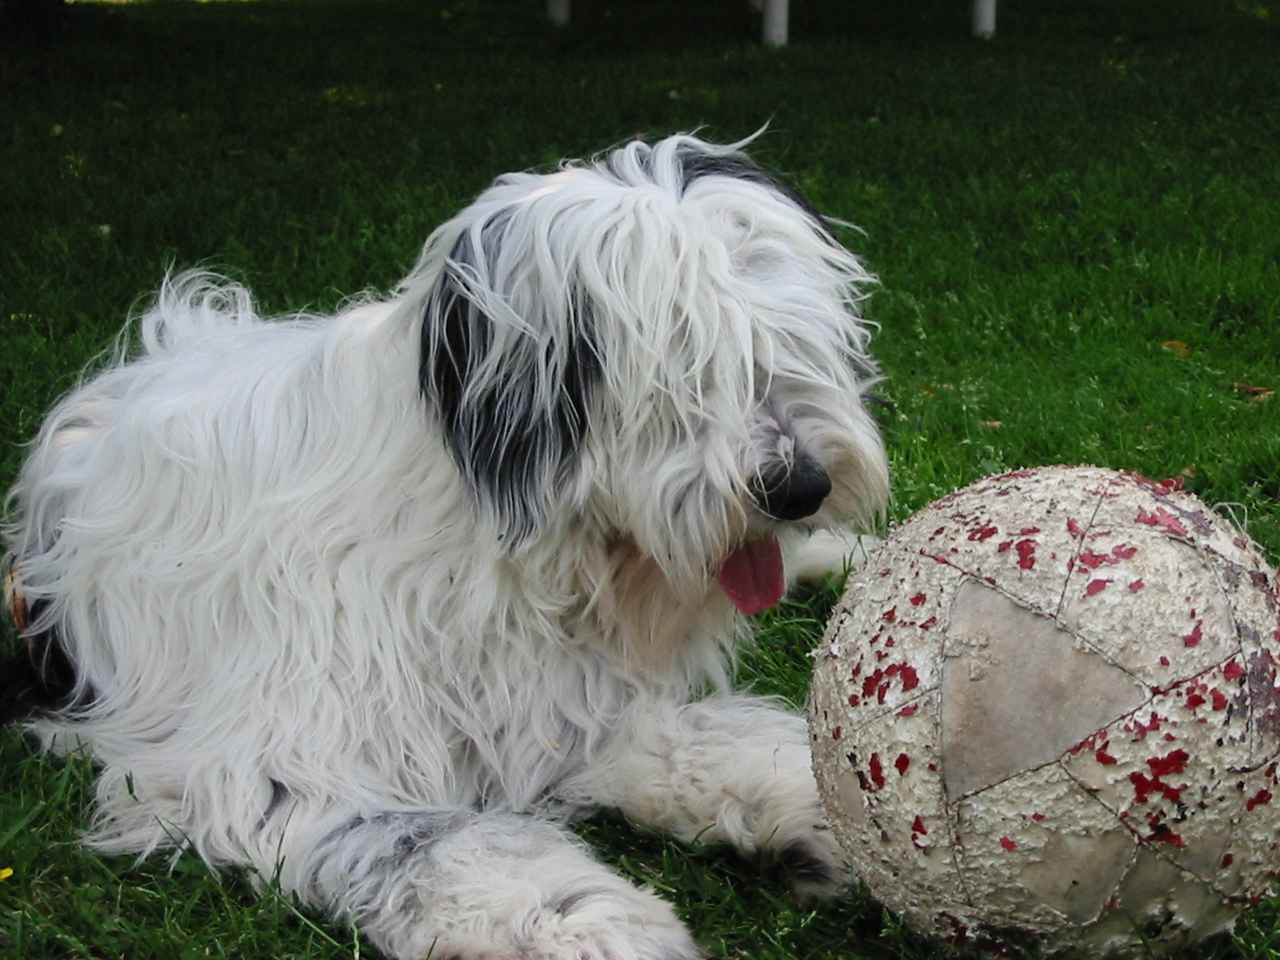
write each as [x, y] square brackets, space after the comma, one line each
[662, 346]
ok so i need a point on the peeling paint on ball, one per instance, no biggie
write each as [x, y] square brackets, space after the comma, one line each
[1078, 673]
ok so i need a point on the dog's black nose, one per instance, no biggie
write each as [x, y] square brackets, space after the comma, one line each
[791, 491]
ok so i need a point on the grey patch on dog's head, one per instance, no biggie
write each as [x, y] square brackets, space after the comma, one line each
[513, 406]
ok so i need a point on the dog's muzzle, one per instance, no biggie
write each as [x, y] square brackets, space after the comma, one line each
[791, 491]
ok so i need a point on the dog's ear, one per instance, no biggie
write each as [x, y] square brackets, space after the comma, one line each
[508, 363]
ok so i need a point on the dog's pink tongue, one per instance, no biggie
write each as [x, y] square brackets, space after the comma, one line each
[752, 575]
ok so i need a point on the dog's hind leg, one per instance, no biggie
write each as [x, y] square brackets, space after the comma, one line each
[457, 883]
[729, 769]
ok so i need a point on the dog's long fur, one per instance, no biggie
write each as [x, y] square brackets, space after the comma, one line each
[371, 602]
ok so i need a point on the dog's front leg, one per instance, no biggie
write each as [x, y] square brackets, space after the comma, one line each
[732, 770]
[469, 885]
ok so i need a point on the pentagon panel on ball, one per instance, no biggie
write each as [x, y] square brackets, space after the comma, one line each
[1046, 715]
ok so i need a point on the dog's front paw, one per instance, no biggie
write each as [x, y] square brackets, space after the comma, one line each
[605, 921]
[460, 885]
[597, 918]
[812, 862]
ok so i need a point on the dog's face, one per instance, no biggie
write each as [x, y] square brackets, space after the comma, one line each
[662, 348]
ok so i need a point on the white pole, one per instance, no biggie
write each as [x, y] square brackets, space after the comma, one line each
[775, 23]
[558, 12]
[984, 19]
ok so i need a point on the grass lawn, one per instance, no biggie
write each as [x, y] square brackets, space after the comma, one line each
[1077, 229]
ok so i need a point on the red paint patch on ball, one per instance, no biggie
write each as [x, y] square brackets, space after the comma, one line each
[918, 599]
[1260, 798]
[902, 764]
[1026, 553]
[1009, 845]
[1163, 833]
[1140, 729]
[1095, 587]
[909, 711]
[910, 679]
[871, 682]
[1233, 671]
[1175, 762]
[1090, 560]
[1162, 518]
[1136, 585]
[877, 771]
[1143, 786]
[983, 533]
[1193, 638]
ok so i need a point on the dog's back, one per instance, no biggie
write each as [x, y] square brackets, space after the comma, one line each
[190, 309]
[188, 533]
[119, 457]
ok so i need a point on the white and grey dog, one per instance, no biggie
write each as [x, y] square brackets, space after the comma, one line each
[372, 603]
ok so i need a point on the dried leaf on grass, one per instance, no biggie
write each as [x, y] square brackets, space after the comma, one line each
[1254, 393]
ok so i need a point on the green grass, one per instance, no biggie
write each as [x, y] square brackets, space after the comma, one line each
[1046, 213]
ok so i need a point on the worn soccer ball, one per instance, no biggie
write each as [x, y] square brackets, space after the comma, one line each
[1047, 714]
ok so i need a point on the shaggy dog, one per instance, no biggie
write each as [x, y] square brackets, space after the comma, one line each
[373, 603]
